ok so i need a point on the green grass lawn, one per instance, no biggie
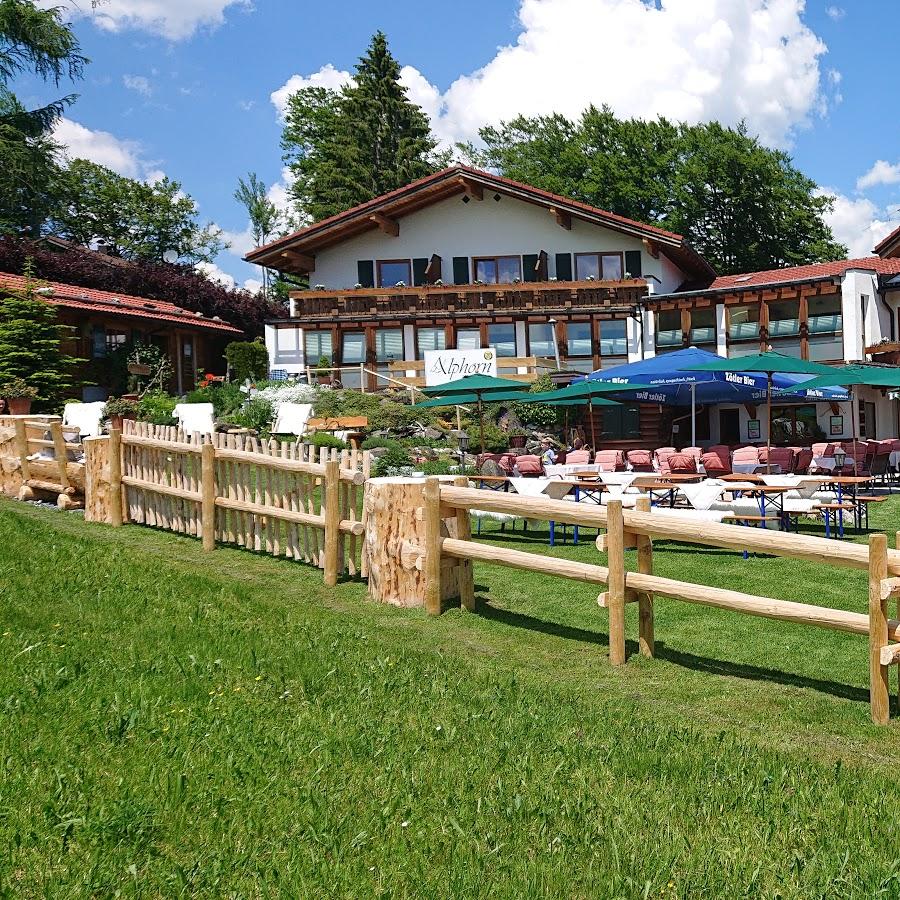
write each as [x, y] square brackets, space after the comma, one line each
[178, 723]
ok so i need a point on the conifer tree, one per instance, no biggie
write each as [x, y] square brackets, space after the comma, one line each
[345, 147]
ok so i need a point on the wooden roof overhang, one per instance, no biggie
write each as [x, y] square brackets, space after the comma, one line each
[737, 294]
[295, 253]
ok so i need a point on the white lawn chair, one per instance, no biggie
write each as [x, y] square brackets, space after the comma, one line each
[195, 418]
[291, 418]
[84, 419]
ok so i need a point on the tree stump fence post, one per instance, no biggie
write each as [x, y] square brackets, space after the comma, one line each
[879, 690]
[615, 549]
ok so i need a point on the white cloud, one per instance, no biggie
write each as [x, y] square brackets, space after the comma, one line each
[328, 77]
[859, 223]
[138, 83]
[122, 156]
[690, 60]
[214, 273]
[835, 13]
[253, 285]
[172, 19]
[882, 172]
[240, 243]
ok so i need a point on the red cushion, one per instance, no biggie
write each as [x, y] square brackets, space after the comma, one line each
[714, 464]
[640, 458]
[529, 464]
[682, 463]
[610, 460]
[576, 457]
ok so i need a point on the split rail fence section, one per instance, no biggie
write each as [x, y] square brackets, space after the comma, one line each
[635, 529]
[284, 499]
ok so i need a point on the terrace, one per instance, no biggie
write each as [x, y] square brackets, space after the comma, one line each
[546, 297]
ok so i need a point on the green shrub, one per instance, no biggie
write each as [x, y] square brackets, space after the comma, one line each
[247, 359]
[375, 443]
[257, 414]
[437, 466]
[157, 407]
[394, 459]
[324, 439]
[540, 415]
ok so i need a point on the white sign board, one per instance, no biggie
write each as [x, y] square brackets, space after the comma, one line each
[443, 366]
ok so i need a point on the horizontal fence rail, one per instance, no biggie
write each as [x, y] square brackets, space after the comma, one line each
[635, 530]
[284, 499]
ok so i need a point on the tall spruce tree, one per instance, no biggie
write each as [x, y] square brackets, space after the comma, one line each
[345, 147]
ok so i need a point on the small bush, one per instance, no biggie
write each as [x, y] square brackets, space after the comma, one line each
[324, 439]
[437, 467]
[248, 359]
[157, 407]
[256, 414]
[392, 461]
[376, 443]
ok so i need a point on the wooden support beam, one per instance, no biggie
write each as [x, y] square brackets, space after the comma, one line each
[890, 587]
[652, 248]
[563, 219]
[474, 191]
[302, 261]
[386, 224]
[890, 654]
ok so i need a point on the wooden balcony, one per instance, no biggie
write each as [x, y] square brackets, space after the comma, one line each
[470, 300]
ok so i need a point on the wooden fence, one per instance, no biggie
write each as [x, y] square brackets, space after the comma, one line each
[284, 499]
[626, 529]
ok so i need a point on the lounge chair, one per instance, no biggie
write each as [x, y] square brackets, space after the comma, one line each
[578, 457]
[640, 460]
[529, 466]
[717, 461]
[291, 418]
[662, 459]
[681, 463]
[195, 418]
[610, 460]
[84, 418]
[783, 457]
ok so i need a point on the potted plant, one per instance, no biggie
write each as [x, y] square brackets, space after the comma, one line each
[119, 408]
[19, 395]
[517, 438]
[323, 370]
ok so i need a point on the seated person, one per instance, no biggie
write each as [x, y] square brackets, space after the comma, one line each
[548, 454]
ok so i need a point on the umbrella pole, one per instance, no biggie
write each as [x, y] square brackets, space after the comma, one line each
[693, 415]
[481, 422]
[590, 409]
[769, 431]
[854, 414]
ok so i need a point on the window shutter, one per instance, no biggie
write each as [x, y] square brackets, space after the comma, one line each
[460, 269]
[433, 270]
[564, 266]
[530, 261]
[365, 272]
[419, 267]
[633, 263]
[541, 270]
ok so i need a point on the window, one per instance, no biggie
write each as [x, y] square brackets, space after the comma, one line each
[703, 326]
[867, 421]
[795, 424]
[668, 329]
[622, 423]
[498, 269]
[602, 266]
[578, 337]
[613, 337]
[784, 318]
[98, 343]
[430, 339]
[503, 339]
[353, 352]
[115, 340]
[392, 271]
[540, 340]
[743, 323]
[388, 348]
[468, 338]
[825, 325]
[317, 344]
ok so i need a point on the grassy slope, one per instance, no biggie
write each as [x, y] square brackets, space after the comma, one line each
[174, 722]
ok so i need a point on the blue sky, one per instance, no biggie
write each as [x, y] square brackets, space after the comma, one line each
[185, 87]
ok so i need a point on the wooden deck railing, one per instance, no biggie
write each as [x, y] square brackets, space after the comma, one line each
[415, 302]
[636, 528]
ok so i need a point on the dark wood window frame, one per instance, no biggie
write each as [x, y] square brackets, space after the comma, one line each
[599, 254]
[496, 261]
[383, 262]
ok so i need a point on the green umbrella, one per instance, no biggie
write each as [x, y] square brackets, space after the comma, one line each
[457, 399]
[583, 392]
[476, 386]
[769, 364]
[856, 376]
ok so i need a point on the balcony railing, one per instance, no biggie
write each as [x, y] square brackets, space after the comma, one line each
[469, 299]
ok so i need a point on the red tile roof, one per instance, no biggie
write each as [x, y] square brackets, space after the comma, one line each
[73, 296]
[806, 273]
[566, 204]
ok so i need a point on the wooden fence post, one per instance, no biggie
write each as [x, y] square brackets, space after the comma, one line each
[115, 477]
[208, 492]
[879, 694]
[645, 599]
[615, 549]
[465, 572]
[22, 450]
[59, 451]
[432, 514]
[332, 505]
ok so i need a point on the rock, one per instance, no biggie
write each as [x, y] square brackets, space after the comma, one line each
[433, 434]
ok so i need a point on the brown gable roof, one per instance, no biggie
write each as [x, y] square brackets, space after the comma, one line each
[889, 246]
[73, 296]
[449, 182]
